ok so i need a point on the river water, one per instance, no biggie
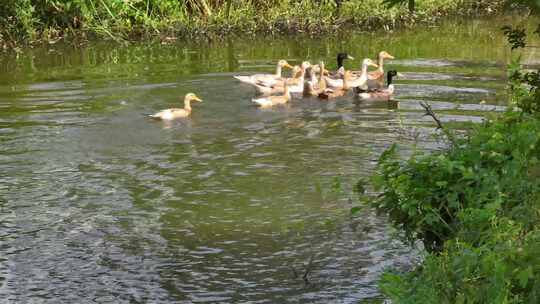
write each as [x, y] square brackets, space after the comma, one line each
[98, 204]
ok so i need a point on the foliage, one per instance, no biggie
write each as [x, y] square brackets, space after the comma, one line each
[411, 4]
[431, 196]
[129, 19]
[504, 270]
[524, 88]
[516, 36]
[475, 206]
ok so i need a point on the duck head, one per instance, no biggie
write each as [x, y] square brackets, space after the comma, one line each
[284, 64]
[385, 55]
[368, 62]
[191, 97]
[305, 65]
[391, 74]
[296, 72]
[323, 71]
[341, 57]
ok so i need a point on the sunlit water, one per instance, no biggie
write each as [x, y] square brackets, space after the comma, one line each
[98, 204]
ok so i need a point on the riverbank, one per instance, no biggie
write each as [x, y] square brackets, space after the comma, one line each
[475, 206]
[28, 22]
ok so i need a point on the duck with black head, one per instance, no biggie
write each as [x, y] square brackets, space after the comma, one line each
[376, 78]
[384, 94]
[340, 58]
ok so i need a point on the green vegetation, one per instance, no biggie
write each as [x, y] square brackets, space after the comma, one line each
[49, 20]
[475, 206]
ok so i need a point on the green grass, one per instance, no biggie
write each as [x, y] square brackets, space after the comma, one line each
[48, 20]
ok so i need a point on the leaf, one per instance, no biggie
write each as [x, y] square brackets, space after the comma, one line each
[441, 183]
[355, 210]
[524, 276]
[359, 187]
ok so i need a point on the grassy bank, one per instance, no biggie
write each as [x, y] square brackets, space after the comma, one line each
[24, 21]
[475, 206]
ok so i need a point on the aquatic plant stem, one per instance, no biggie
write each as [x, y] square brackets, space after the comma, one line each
[429, 112]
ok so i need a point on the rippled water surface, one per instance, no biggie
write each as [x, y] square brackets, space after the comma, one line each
[100, 205]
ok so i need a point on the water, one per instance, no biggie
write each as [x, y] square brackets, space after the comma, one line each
[100, 205]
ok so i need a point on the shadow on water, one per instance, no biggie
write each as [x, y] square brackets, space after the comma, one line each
[99, 204]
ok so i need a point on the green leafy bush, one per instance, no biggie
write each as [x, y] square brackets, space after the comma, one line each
[34, 19]
[431, 197]
[504, 270]
[475, 206]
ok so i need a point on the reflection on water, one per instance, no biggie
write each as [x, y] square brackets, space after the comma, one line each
[97, 203]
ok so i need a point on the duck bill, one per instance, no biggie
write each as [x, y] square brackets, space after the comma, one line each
[197, 99]
[350, 57]
[374, 65]
[288, 66]
[400, 75]
[388, 56]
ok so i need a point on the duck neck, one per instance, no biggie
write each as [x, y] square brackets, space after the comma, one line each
[339, 62]
[322, 81]
[364, 71]
[187, 105]
[345, 82]
[389, 79]
[300, 75]
[381, 63]
[286, 93]
[278, 70]
[313, 77]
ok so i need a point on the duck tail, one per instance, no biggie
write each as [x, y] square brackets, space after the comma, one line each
[151, 116]
[260, 102]
[246, 79]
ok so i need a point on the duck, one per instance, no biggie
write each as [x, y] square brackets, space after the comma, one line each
[252, 79]
[338, 92]
[297, 79]
[173, 113]
[385, 94]
[270, 101]
[273, 88]
[314, 86]
[295, 84]
[376, 78]
[340, 68]
[353, 82]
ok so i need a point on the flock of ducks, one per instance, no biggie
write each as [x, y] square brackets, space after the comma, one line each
[309, 80]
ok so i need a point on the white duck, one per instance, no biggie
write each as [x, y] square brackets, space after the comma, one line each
[274, 100]
[296, 84]
[173, 113]
[252, 79]
[357, 82]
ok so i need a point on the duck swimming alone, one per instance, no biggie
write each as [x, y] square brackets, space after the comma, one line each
[173, 113]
